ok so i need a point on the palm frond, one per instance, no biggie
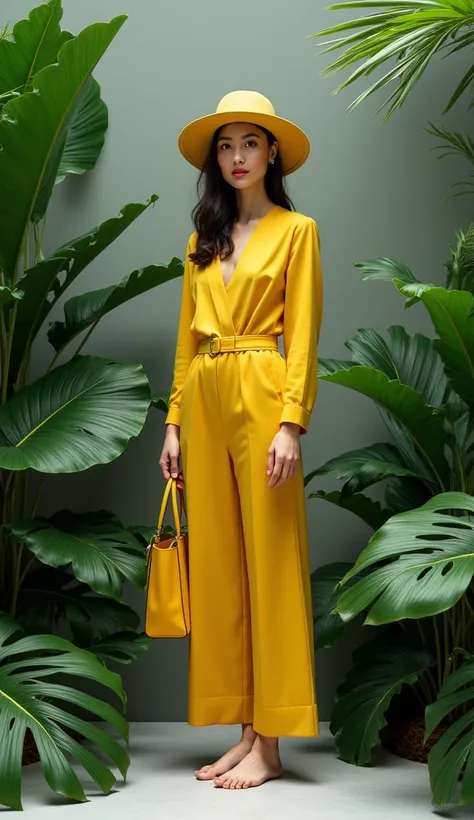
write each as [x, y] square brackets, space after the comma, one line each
[461, 265]
[409, 31]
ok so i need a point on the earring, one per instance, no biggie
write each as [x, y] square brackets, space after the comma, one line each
[272, 161]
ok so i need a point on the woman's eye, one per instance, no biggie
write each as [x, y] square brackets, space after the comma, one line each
[251, 142]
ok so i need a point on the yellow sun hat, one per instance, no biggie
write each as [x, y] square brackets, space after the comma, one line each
[195, 139]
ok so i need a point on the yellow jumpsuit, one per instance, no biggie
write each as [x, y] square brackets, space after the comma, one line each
[251, 654]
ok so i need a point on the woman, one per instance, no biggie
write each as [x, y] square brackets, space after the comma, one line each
[236, 412]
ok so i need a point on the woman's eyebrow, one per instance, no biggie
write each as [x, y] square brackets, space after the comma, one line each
[244, 137]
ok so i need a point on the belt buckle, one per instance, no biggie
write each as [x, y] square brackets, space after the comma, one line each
[214, 346]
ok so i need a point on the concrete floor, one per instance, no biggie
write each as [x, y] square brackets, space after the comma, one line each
[316, 784]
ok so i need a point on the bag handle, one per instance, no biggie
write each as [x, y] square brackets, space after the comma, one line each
[171, 486]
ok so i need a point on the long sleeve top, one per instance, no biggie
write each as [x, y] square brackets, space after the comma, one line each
[276, 288]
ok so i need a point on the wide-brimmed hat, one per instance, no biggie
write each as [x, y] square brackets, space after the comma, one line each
[195, 139]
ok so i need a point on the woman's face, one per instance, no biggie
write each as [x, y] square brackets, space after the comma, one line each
[242, 146]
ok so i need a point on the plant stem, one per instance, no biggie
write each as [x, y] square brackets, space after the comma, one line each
[439, 663]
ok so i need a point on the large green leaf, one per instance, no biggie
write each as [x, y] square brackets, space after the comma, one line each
[452, 313]
[381, 668]
[452, 758]
[361, 505]
[385, 270]
[406, 405]
[86, 135]
[122, 647]
[47, 281]
[363, 468]
[101, 553]
[33, 131]
[34, 44]
[29, 699]
[412, 360]
[328, 627]
[52, 597]
[431, 563]
[403, 494]
[88, 308]
[80, 414]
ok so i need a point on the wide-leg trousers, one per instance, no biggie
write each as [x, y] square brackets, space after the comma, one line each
[251, 651]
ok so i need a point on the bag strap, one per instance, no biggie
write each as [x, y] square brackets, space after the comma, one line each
[171, 486]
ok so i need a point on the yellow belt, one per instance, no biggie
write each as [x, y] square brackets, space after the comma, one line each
[229, 344]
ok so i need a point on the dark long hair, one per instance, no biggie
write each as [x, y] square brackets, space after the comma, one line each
[216, 210]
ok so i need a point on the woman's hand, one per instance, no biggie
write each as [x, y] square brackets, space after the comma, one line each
[169, 459]
[284, 454]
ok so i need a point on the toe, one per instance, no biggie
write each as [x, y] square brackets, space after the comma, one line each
[246, 784]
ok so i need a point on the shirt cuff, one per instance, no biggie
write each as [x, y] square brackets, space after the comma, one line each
[174, 416]
[295, 414]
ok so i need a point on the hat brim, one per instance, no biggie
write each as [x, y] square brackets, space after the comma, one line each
[195, 139]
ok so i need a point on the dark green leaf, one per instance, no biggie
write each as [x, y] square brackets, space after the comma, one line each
[80, 414]
[88, 308]
[101, 554]
[328, 627]
[26, 667]
[361, 505]
[430, 565]
[381, 668]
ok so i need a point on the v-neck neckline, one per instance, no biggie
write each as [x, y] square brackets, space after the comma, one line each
[249, 240]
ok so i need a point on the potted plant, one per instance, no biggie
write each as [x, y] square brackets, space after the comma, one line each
[414, 579]
[65, 572]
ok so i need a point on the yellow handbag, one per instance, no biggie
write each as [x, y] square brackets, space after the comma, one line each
[167, 612]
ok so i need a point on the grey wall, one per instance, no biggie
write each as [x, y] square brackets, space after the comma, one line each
[375, 191]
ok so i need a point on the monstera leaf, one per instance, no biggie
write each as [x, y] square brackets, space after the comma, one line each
[371, 512]
[430, 556]
[30, 698]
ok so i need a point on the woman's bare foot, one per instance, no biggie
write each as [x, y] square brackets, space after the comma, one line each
[260, 764]
[231, 758]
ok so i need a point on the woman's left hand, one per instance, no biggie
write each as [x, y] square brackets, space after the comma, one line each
[284, 454]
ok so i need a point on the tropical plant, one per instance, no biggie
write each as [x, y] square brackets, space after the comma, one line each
[414, 579]
[410, 32]
[67, 571]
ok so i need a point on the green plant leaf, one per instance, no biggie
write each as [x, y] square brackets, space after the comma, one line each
[452, 315]
[80, 414]
[371, 512]
[411, 360]
[328, 628]
[430, 565]
[30, 701]
[8, 295]
[52, 597]
[385, 270]
[381, 667]
[406, 32]
[452, 758]
[160, 400]
[47, 281]
[328, 366]
[406, 405]
[88, 308]
[86, 135]
[461, 265]
[101, 554]
[123, 647]
[35, 44]
[362, 468]
[33, 131]
[403, 494]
